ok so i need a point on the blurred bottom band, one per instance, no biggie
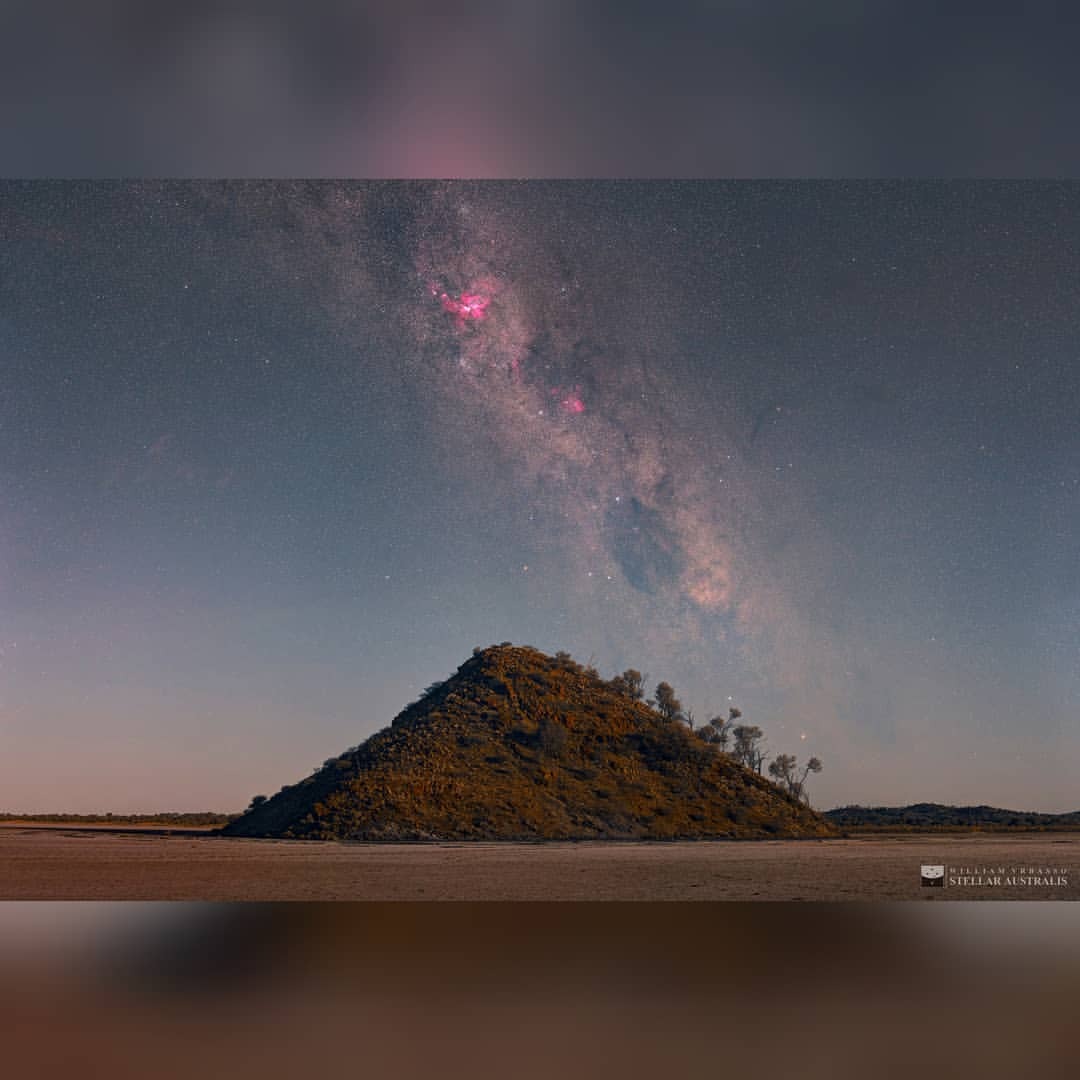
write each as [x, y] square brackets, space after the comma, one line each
[477, 990]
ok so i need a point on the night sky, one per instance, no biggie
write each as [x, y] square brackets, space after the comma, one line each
[275, 456]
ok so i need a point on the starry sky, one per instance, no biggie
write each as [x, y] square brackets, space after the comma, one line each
[274, 456]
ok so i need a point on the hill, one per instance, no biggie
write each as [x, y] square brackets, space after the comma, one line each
[518, 745]
[935, 817]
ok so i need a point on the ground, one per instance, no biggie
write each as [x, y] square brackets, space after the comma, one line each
[86, 863]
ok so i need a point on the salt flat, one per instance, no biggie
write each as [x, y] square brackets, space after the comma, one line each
[80, 863]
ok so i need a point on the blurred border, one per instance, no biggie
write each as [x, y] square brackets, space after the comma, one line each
[476, 990]
[539, 88]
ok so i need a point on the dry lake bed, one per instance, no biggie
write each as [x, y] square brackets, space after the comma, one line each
[88, 863]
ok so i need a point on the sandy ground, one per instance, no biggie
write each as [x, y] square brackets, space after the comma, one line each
[64, 863]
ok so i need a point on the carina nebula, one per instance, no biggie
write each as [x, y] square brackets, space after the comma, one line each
[470, 306]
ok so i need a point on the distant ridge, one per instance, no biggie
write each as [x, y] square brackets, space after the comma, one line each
[938, 817]
[518, 745]
[186, 818]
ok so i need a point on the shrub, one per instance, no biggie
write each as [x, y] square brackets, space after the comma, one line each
[552, 737]
[521, 735]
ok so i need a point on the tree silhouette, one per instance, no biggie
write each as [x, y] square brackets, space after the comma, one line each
[631, 683]
[812, 766]
[784, 768]
[666, 703]
[746, 749]
[721, 727]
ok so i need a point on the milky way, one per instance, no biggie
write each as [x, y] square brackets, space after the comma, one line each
[516, 344]
[547, 360]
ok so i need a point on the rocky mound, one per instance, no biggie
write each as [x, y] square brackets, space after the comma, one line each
[518, 745]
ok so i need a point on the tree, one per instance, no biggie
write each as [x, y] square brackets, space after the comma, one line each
[630, 683]
[784, 768]
[721, 727]
[666, 703]
[256, 802]
[746, 749]
[812, 766]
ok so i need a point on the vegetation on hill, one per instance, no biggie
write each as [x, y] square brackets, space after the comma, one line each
[935, 817]
[518, 745]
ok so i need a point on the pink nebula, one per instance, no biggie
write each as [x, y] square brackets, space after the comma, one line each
[569, 400]
[469, 305]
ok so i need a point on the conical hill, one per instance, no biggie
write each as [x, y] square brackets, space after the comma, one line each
[518, 745]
